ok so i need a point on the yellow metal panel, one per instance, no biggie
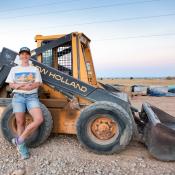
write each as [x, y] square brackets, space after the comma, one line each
[55, 58]
[53, 93]
[91, 73]
[49, 37]
[83, 71]
[64, 120]
[74, 56]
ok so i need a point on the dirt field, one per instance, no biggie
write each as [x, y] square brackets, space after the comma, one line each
[63, 155]
[147, 82]
[165, 103]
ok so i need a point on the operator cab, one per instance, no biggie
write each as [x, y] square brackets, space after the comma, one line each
[59, 58]
[73, 57]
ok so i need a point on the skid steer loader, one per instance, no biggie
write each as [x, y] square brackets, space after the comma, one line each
[73, 102]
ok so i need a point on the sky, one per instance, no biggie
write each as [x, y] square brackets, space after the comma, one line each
[128, 37]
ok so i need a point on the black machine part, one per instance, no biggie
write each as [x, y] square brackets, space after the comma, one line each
[159, 132]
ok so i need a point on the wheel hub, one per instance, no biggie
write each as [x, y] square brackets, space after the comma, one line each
[104, 128]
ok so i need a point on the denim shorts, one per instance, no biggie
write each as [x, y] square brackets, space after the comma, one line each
[21, 102]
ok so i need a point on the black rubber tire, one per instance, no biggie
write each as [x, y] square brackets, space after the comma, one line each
[35, 139]
[118, 114]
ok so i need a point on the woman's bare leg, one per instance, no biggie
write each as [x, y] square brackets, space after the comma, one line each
[36, 113]
[20, 122]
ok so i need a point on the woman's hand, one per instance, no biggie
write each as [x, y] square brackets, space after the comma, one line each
[30, 86]
[16, 85]
[25, 86]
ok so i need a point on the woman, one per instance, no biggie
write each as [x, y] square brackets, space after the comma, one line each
[25, 80]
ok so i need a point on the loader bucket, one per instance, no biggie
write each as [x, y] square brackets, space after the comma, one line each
[159, 132]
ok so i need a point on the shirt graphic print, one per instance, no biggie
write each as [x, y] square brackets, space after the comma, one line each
[24, 74]
[25, 77]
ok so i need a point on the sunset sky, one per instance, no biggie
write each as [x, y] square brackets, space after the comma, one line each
[128, 37]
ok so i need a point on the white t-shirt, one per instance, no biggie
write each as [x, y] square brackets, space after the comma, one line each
[24, 74]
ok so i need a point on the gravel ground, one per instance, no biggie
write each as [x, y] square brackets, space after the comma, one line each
[63, 155]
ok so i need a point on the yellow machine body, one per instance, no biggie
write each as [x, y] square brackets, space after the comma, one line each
[82, 68]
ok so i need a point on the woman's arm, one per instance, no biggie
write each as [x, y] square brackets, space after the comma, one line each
[34, 85]
[30, 86]
[16, 85]
[26, 86]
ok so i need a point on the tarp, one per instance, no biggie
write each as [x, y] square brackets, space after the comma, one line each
[161, 91]
[171, 88]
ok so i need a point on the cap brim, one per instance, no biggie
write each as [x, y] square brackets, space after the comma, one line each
[24, 51]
